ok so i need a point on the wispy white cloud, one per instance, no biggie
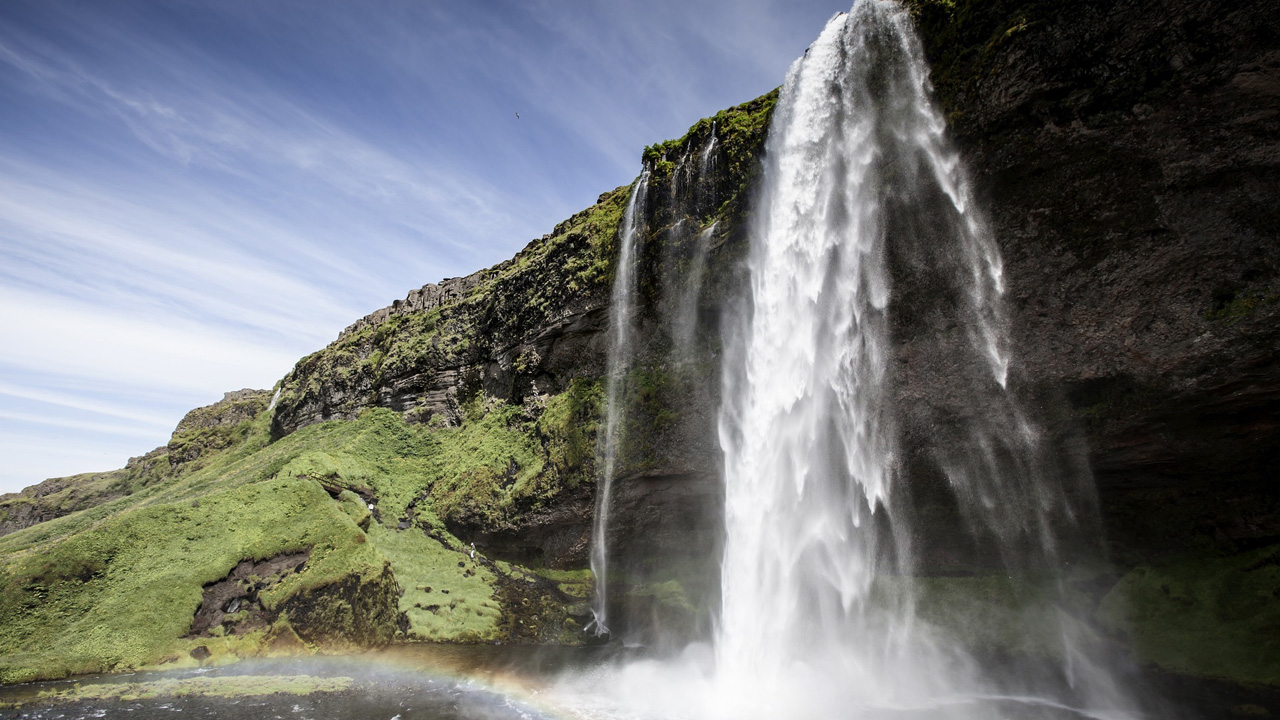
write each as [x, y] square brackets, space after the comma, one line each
[73, 424]
[80, 340]
[81, 404]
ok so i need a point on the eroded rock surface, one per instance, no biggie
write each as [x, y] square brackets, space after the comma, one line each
[232, 604]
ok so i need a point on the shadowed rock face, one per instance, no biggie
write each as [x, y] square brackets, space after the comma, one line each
[522, 331]
[1129, 156]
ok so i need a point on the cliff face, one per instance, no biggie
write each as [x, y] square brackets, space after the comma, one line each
[519, 335]
[1129, 155]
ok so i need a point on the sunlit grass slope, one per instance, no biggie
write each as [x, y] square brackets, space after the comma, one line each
[116, 586]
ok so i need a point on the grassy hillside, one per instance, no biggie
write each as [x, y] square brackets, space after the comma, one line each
[116, 586]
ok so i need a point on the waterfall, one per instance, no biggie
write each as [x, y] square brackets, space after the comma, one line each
[805, 425]
[820, 599]
[867, 381]
[621, 327]
[685, 322]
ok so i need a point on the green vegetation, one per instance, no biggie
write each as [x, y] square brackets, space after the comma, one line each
[62, 496]
[447, 594]
[1214, 617]
[567, 429]
[652, 402]
[997, 615]
[115, 586]
[740, 132]
[220, 687]
[578, 584]
[1235, 308]
[495, 309]
[216, 427]
[668, 595]
[122, 593]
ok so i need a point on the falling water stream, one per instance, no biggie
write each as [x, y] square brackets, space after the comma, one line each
[621, 331]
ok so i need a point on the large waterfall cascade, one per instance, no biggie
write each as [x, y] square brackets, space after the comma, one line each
[820, 584]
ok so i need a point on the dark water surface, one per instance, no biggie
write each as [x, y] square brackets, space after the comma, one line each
[441, 682]
[413, 683]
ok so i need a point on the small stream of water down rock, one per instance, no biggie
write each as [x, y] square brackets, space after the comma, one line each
[821, 580]
[621, 329]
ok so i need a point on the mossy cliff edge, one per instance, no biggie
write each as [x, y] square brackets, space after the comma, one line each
[1127, 153]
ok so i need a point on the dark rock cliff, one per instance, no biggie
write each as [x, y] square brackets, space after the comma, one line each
[1129, 155]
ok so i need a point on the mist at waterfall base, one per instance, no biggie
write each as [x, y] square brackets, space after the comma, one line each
[826, 608]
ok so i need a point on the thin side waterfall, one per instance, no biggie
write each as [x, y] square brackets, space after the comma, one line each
[699, 199]
[707, 161]
[685, 323]
[621, 326]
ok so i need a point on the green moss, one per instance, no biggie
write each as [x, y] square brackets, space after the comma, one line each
[669, 595]
[578, 584]
[334, 472]
[652, 400]
[483, 468]
[1213, 617]
[742, 131]
[214, 687]
[994, 615]
[1233, 309]
[447, 594]
[568, 427]
[355, 508]
[122, 593]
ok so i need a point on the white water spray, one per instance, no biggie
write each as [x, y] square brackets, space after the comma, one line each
[805, 427]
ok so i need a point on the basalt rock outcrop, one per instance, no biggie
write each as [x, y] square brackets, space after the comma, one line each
[215, 427]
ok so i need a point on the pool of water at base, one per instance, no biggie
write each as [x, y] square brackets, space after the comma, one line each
[437, 682]
[428, 683]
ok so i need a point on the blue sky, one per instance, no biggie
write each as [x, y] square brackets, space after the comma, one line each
[193, 195]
